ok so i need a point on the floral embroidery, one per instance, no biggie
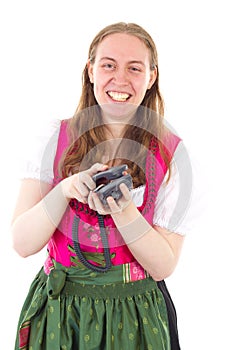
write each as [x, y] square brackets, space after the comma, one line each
[133, 272]
[94, 237]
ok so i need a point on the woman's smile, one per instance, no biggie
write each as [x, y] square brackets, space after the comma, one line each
[118, 96]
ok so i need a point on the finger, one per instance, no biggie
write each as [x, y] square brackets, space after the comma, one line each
[96, 201]
[96, 168]
[113, 205]
[86, 182]
[125, 192]
[80, 198]
[77, 195]
[98, 205]
[90, 201]
[82, 189]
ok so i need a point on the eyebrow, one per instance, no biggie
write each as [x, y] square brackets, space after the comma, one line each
[112, 59]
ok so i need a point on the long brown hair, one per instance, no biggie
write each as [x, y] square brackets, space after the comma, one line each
[85, 138]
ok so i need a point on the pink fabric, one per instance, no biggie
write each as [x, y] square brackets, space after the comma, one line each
[134, 272]
[24, 335]
[89, 229]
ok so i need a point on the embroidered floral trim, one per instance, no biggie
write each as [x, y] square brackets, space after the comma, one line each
[133, 272]
[150, 198]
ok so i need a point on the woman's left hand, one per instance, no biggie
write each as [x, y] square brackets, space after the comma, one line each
[113, 206]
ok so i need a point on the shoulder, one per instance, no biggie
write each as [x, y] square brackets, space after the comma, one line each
[170, 141]
[47, 138]
[51, 127]
[37, 160]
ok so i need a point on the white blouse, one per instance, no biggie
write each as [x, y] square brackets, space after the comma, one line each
[176, 203]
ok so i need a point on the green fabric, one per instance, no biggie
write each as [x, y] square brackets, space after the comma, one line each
[76, 308]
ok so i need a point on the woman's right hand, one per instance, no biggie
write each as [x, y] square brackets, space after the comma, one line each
[79, 185]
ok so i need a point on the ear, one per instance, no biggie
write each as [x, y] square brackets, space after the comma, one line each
[153, 77]
[90, 71]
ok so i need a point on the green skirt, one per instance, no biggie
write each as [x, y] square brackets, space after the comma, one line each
[75, 308]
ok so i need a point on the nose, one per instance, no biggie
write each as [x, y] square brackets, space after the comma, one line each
[120, 76]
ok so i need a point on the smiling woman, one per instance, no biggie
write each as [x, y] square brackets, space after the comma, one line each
[121, 73]
[103, 279]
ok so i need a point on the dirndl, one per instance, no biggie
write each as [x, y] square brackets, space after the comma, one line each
[76, 308]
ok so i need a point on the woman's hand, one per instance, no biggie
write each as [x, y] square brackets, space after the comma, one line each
[113, 206]
[79, 185]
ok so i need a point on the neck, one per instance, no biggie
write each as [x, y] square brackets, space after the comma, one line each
[117, 117]
[115, 127]
[114, 130]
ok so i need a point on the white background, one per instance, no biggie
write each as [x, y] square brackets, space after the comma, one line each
[44, 47]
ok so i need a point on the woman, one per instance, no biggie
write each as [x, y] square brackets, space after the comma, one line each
[102, 285]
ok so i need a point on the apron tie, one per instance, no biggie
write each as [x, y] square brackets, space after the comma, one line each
[55, 284]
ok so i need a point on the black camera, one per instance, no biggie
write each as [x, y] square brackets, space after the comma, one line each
[108, 182]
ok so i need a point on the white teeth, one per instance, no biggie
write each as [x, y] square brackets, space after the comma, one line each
[118, 96]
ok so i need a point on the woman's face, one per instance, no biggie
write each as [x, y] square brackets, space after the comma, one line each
[121, 73]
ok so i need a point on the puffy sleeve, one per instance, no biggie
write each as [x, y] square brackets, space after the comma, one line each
[179, 201]
[38, 159]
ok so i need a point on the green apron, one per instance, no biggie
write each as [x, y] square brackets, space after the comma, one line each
[76, 308]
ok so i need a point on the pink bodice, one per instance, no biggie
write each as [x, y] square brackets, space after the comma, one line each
[61, 243]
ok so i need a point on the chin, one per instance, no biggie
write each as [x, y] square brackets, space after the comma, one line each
[119, 110]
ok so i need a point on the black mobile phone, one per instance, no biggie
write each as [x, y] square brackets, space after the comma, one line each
[108, 182]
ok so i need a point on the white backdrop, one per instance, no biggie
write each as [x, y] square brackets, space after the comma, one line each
[43, 51]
